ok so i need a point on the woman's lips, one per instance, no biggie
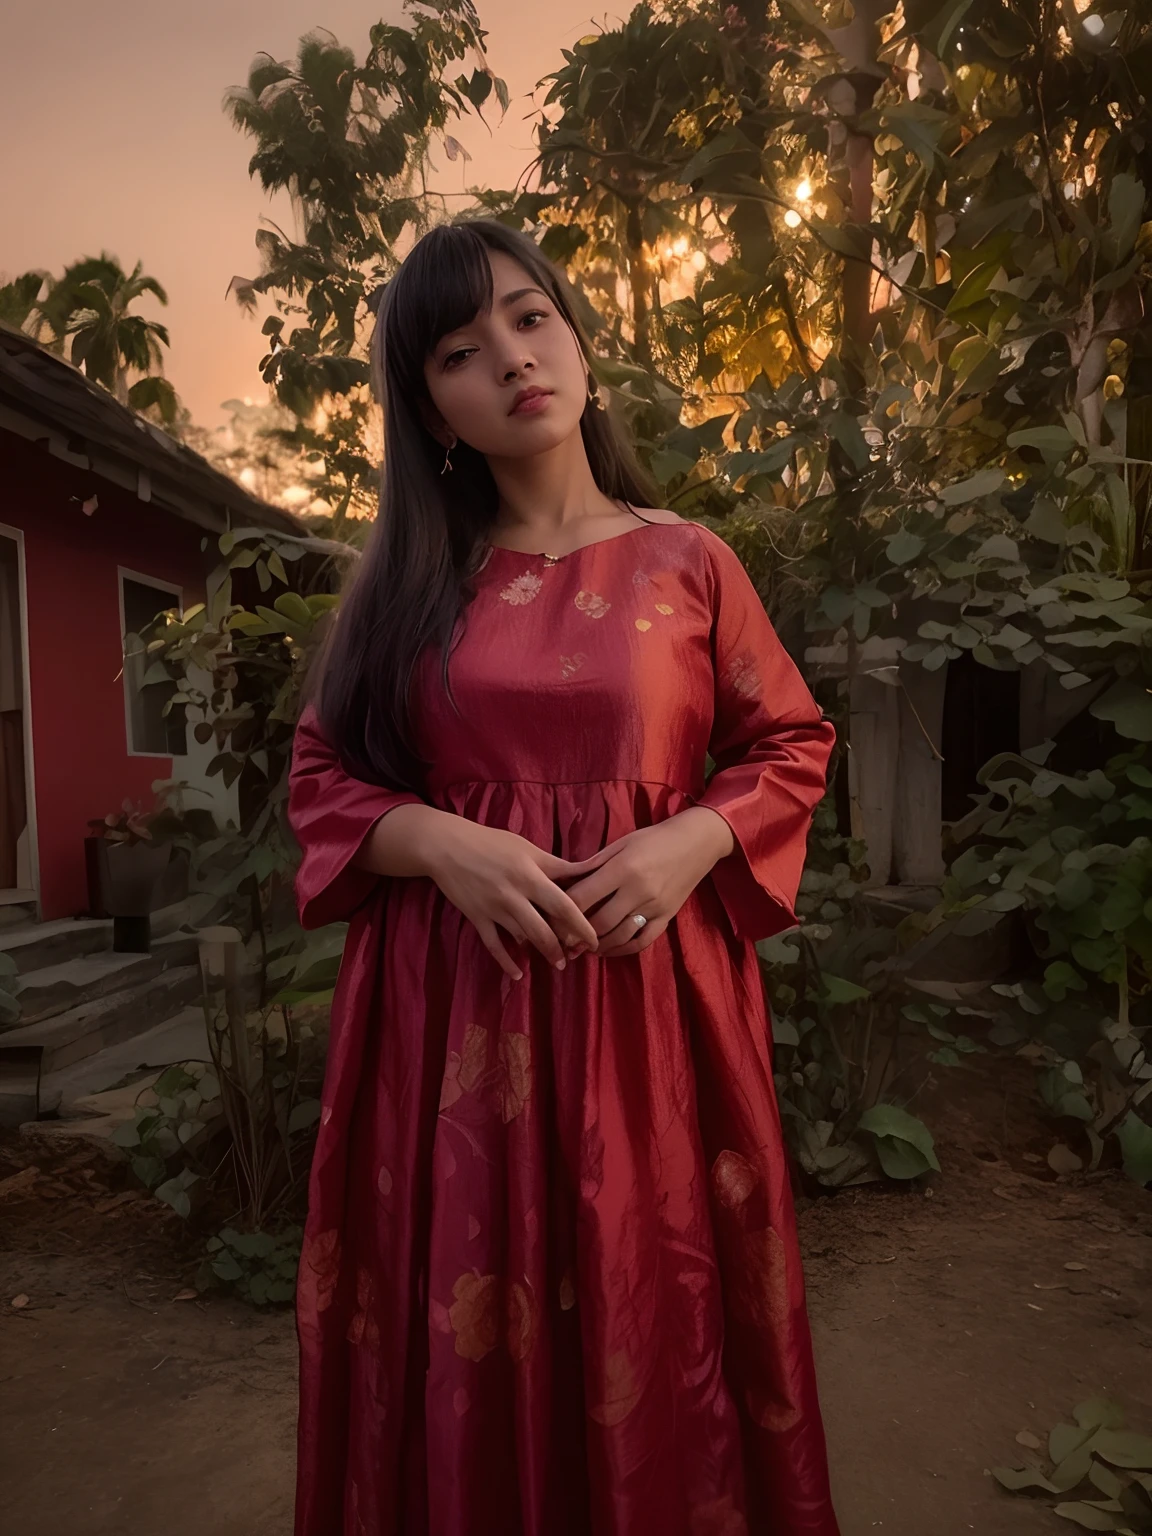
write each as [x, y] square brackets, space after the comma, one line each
[530, 405]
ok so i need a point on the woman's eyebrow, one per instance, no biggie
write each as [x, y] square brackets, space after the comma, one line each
[518, 293]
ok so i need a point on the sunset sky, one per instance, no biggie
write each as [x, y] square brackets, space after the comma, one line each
[113, 138]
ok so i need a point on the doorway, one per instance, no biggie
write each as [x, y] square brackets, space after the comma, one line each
[17, 877]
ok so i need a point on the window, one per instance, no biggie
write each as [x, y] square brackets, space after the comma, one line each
[151, 733]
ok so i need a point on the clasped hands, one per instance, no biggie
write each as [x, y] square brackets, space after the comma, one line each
[651, 870]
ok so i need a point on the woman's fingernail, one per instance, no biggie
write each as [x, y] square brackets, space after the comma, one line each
[560, 964]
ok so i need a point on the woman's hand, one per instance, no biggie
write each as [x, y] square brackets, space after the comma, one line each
[652, 870]
[499, 878]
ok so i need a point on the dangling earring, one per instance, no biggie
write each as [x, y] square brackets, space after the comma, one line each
[594, 397]
[448, 457]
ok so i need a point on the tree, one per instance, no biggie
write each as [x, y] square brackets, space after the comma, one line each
[351, 143]
[88, 306]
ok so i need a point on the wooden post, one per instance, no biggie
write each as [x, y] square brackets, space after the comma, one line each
[917, 852]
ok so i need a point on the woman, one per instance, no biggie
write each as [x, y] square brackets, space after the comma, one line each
[550, 1283]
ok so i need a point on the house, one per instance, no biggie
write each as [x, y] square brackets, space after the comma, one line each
[105, 520]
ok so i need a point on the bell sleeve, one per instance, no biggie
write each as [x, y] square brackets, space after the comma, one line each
[330, 814]
[770, 744]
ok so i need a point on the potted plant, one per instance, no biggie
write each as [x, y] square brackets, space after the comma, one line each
[125, 867]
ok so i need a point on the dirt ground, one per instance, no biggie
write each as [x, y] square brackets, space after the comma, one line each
[947, 1321]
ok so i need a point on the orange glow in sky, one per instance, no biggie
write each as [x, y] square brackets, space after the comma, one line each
[112, 137]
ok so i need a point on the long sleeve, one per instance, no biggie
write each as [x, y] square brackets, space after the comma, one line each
[331, 814]
[771, 746]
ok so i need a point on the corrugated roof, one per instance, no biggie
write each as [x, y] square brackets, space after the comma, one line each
[45, 399]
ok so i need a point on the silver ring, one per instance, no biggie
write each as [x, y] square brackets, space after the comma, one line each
[638, 919]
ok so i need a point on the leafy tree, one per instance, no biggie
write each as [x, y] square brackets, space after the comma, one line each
[352, 144]
[87, 312]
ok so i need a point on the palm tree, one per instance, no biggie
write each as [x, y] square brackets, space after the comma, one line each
[90, 303]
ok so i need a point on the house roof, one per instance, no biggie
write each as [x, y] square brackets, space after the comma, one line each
[48, 401]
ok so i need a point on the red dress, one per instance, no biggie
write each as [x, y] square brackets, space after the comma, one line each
[550, 1283]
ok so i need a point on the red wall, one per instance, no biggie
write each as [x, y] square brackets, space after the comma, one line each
[82, 766]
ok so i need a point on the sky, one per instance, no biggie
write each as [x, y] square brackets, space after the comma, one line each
[112, 138]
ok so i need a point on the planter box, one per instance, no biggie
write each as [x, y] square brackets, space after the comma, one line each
[126, 882]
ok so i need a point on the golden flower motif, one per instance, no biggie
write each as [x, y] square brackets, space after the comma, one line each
[770, 1412]
[719, 1517]
[567, 1292]
[319, 1271]
[733, 1179]
[743, 678]
[522, 1321]
[591, 603]
[640, 578]
[664, 609]
[475, 1314]
[621, 1394]
[363, 1329]
[463, 1070]
[569, 665]
[514, 1075]
[522, 589]
[643, 624]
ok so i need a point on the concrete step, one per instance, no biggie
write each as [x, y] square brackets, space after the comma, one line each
[16, 914]
[34, 945]
[55, 989]
[107, 1019]
[182, 1037]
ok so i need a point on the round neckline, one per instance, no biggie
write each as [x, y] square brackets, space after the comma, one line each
[525, 554]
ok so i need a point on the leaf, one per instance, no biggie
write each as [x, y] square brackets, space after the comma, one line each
[1135, 1138]
[1124, 1448]
[981, 484]
[889, 1120]
[837, 990]
[903, 547]
[1088, 1516]
[1129, 707]
[1051, 441]
[1017, 1478]
[1062, 1159]
[1126, 198]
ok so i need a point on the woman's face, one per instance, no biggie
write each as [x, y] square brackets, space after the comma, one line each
[475, 374]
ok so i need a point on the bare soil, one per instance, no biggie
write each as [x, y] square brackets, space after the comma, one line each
[948, 1319]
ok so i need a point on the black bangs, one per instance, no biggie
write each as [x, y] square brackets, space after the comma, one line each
[444, 284]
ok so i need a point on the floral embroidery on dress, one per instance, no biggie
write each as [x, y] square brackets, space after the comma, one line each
[664, 609]
[567, 1292]
[743, 678]
[621, 1394]
[643, 624]
[506, 1081]
[522, 588]
[319, 1271]
[569, 665]
[719, 1517]
[363, 1329]
[592, 604]
[474, 1314]
[523, 1318]
[640, 578]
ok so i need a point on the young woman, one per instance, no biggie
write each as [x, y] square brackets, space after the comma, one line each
[550, 1283]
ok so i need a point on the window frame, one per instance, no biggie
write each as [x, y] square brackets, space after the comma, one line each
[168, 589]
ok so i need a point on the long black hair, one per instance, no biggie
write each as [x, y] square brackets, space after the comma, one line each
[411, 585]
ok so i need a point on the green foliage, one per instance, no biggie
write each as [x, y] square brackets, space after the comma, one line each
[1107, 1468]
[260, 1267]
[1072, 854]
[849, 1031]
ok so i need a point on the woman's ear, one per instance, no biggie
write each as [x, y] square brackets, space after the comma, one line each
[436, 424]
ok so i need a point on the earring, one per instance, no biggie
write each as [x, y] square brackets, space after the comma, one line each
[595, 399]
[448, 457]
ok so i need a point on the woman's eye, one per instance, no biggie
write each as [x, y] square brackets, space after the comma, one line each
[464, 352]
